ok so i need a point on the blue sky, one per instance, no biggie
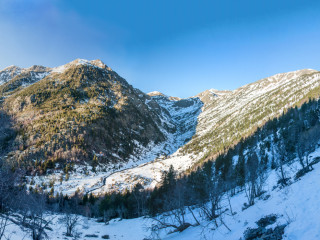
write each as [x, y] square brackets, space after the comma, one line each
[177, 47]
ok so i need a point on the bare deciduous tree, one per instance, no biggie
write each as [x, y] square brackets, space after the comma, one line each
[174, 214]
[255, 178]
[70, 221]
[282, 159]
[35, 216]
[215, 193]
[8, 199]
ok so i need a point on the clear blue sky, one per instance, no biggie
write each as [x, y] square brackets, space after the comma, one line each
[177, 47]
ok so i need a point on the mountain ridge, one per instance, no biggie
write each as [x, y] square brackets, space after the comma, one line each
[126, 133]
[241, 105]
[91, 115]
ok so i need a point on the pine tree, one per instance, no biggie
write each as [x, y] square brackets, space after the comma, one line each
[85, 199]
[91, 199]
[94, 163]
[240, 170]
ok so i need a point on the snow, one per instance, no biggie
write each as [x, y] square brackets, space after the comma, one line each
[59, 69]
[9, 73]
[133, 229]
[77, 62]
[156, 93]
[147, 164]
[296, 205]
[193, 121]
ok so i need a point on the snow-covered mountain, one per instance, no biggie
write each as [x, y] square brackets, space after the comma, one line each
[8, 73]
[83, 115]
[238, 164]
[235, 114]
[226, 117]
[114, 136]
[13, 77]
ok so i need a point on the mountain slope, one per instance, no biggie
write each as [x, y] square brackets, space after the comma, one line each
[295, 206]
[226, 118]
[84, 113]
[237, 114]
[14, 78]
[84, 117]
[232, 116]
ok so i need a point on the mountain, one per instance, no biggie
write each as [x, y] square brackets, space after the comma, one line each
[85, 121]
[263, 188]
[15, 78]
[78, 139]
[84, 113]
[237, 114]
[226, 118]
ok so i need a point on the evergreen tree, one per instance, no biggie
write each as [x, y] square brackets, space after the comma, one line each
[240, 170]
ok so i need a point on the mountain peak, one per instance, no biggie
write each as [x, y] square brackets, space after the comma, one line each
[208, 95]
[97, 62]
[159, 94]
[8, 73]
[156, 93]
[37, 68]
[11, 68]
[82, 62]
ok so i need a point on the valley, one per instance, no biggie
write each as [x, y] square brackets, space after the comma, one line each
[80, 144]
[185, 132]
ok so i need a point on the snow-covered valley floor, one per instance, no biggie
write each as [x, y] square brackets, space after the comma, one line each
[297, 205]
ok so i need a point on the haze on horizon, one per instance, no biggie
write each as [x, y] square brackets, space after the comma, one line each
[179, 48]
